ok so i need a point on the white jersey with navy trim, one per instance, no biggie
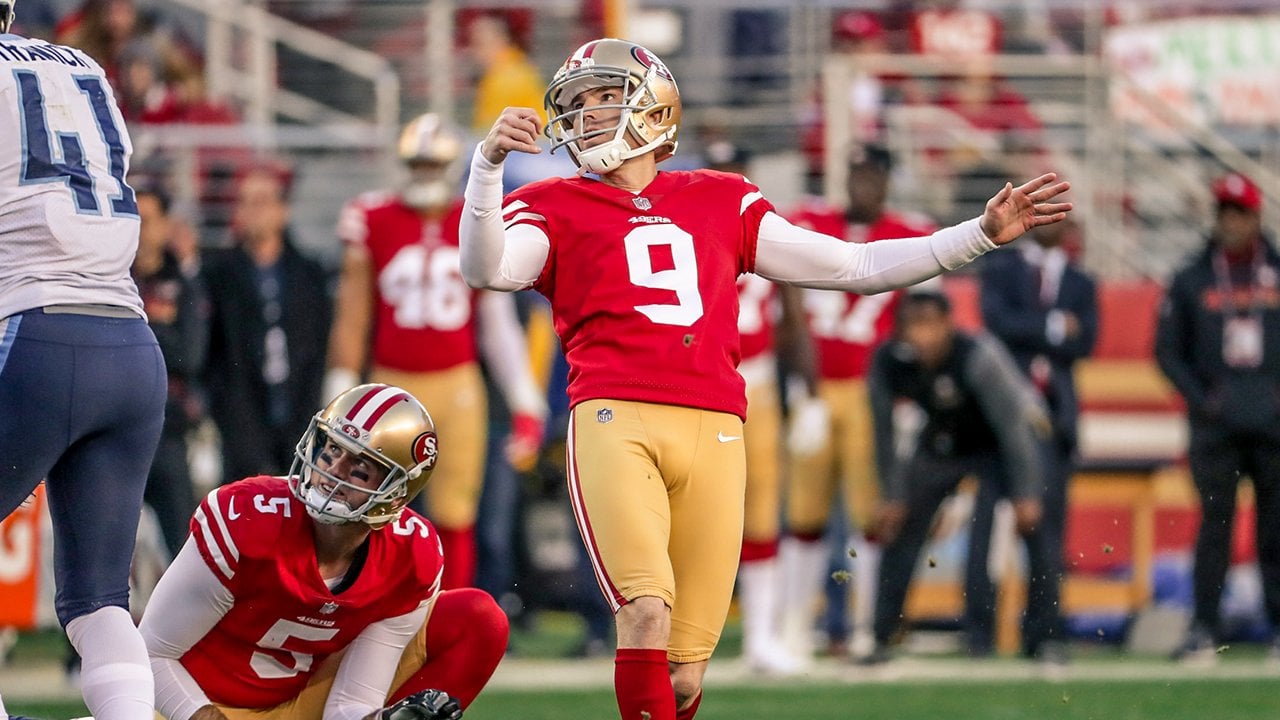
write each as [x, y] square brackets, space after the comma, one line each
[68, 219]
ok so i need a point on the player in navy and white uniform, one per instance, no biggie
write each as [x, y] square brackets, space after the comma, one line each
[317, 595]
[640, 268]
[82, 380]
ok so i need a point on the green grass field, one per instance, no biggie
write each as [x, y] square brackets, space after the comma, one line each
[1042, 700]
[1101, 684]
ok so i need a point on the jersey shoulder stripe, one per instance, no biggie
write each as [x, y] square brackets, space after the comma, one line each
[214, 540]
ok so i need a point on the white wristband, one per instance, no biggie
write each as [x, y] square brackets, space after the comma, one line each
[960, 245]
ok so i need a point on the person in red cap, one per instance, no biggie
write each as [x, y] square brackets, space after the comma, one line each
[1218, 341]
[1237, 191]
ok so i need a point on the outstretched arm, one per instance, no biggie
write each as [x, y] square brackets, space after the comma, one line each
[790, 254]
[491, 256]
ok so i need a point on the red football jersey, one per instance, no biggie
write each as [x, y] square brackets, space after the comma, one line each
[424, 310]
[643, 286]
[847, 327]
[756, 309]
[256, 538]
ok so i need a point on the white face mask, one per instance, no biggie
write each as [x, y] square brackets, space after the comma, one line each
[427, 194]
[327, 510]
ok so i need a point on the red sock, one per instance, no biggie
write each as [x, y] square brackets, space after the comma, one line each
[689, 712]
[466, 638]
[643, 685]
[459, 557]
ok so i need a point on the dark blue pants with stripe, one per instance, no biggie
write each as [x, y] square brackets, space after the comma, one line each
[81, 407]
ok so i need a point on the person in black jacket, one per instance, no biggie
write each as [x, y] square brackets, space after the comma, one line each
[1045, 311]
[270, 312]
[178, 315]
[1218, 341]
[981, 417]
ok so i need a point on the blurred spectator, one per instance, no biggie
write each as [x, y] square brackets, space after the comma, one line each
[1218, 341]
[853, 33]
[177, 313]
[270, 314]
[115, 32]
[508, 77]
[988, 103]
[995, 130]
[979, 413]
[1045, 311]
[945, 28]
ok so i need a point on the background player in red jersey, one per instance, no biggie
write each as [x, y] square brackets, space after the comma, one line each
[769, 316]
[831, 434]
[404, 310]
[640, 269]
[317, 595]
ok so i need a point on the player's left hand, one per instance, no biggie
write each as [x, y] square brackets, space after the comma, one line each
[1015, 210]
[524, 442]
[424, 705]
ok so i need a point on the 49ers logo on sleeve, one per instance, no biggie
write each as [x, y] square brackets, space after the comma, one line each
[647, 59]
[425, 450]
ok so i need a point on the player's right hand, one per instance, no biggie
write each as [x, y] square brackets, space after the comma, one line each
[517, 128]
[209, 712]
[424, 705]
[810, 426]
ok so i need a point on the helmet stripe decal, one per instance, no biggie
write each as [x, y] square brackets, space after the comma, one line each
[589, 48]
[374, 405]
[382, 410]
[361, 402]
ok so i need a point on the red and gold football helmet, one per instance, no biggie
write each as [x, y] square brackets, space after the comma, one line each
[382, 424]
[650, 107]
[430, 148]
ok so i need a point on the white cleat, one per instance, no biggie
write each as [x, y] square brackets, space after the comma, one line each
[774, 660]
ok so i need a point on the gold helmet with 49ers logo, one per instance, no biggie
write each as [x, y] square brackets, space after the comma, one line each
[649, 108]
[381, 424]
[430, 147]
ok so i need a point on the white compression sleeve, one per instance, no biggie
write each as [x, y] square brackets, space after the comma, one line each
[114, 675]
[502, 343]
[492, 257]
[791, 254]
[186, 604]
[369, 665]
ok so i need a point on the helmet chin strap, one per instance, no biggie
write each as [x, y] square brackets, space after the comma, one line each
[316, 499]
[602, 158]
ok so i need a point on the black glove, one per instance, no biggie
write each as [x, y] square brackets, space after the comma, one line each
[425, 705]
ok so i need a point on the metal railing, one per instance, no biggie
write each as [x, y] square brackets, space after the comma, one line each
[1142, 199]
[242, 42]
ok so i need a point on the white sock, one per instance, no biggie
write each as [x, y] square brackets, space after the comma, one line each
[115, 673]
[865, 569]
[803, 571]
[758, 598]
[3, 713]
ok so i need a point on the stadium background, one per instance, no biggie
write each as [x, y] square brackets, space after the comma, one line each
[1138, 103]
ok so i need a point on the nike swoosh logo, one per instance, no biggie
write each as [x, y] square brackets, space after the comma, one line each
[727, 438]
[231, 509]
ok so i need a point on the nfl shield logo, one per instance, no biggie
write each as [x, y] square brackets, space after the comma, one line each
[328, 608]
[604, 415]
[642, 203]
